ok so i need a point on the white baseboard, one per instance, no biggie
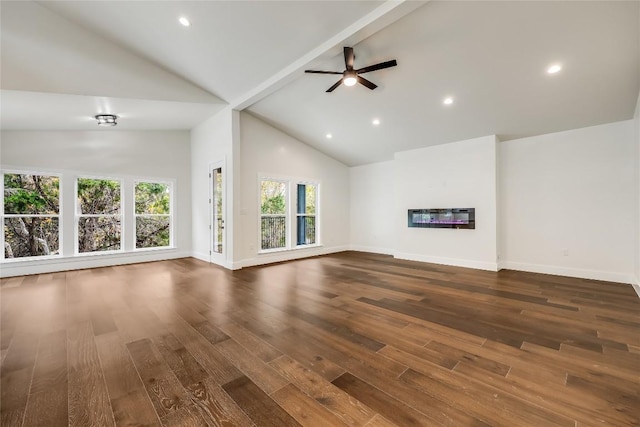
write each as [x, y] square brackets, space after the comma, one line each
[636, 285]
[201, 256]
[479, 265]
[607, 276]
[25, 267]
[287, 256]
[371, 249]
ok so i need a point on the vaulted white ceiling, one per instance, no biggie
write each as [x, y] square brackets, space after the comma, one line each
[64, 61]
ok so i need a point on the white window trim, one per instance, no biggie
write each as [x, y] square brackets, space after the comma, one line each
[68, 239]
[286, 214]
[171, 215]
[291, 214]
[315, 215]
[21, 171]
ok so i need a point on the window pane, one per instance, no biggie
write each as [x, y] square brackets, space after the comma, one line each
[152, 232]
[272, 197]
[306, 230]
[311, 199]
[26, 237]
[274, 232]
[31, 194]
[98, 196]
[98, 234]
[152, 198]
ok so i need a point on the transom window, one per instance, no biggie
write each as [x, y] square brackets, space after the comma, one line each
[30, 215]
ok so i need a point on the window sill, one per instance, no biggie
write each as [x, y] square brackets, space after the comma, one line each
[31, 258]
[294, 249]
[84, 255]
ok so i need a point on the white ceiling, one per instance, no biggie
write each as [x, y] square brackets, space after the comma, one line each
[64, 61]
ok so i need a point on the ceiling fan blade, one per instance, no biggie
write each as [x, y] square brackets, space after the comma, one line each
[338, 83]
[348, 57]
[376, 67]
[321, 72]
[366, 83]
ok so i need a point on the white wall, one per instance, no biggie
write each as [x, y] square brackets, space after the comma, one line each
[456, 175]
[266, 150]
[372, 208]
[213, 141]
[569, 201]
[129, 154]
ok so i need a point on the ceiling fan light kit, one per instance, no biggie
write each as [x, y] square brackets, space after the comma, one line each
[350, 76]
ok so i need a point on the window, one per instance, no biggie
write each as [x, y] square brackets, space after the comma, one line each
[31, 215]
[306, 214]
[273, 214]
[153, 214]
[277, 231]
[99, 215]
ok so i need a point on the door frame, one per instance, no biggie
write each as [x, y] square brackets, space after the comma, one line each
[215, 257]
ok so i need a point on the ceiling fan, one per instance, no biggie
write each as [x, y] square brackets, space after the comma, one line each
[350, 76]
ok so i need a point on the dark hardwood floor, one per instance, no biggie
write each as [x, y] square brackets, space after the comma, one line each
[345, 339]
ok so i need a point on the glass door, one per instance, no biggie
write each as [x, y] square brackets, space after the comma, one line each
[217, 211]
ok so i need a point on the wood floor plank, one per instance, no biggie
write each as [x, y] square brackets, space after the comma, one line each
[48, 396]
[120, 374]
[257, 404]
[307, 411]
[180, 361]
[477, 398]
[163, 388]
[215, 405]
[248, 340]
[306, 355]
[380, 421]
[186, 416]
[347, 408]
[250, 365]
[348, 338]
[15, 392]
[16, 374]
[203, 351]
[89, 402]
[381, 402]
[585, 408]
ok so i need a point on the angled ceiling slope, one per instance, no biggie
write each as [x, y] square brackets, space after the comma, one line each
[491, 58]
[50, 64]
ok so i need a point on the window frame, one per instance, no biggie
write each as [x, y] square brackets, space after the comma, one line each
[59, 215]
[304, 215]
[170, 215]
[291, 216]
[286, 214]
[78, 215]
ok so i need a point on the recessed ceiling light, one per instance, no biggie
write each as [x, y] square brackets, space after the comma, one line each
[554, 68]
[329, 136]
[184, 21]
[375, 122]
[448, 101]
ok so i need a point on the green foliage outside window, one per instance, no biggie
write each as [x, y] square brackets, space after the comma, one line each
[100, 198]
[153, 204]
[273, 207]
[31, 209]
